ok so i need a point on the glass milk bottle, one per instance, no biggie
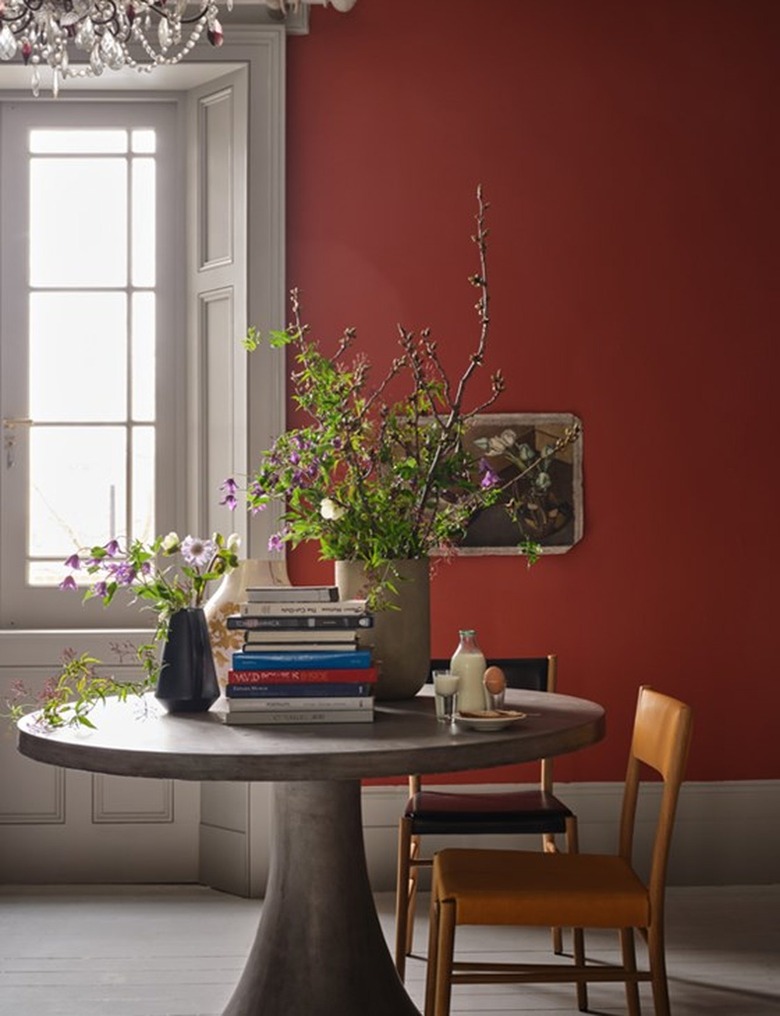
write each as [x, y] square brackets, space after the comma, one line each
[468, 662]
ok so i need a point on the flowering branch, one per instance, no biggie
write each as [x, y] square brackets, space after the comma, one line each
[369, 478]
[67, 699]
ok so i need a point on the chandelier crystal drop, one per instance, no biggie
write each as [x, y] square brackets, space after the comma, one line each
[111, 34]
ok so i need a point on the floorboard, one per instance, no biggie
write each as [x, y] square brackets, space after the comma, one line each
[178, 951]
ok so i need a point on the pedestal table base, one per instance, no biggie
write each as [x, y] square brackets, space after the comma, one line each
[319, 950]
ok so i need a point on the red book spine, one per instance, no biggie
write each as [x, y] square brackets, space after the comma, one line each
[361, 675]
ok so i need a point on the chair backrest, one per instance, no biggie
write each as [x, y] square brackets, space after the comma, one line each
[661, 740]
[530, 673]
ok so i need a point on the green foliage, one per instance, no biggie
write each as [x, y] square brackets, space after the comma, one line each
[67, 699]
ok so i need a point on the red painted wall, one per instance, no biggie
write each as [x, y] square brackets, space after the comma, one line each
[630, 155]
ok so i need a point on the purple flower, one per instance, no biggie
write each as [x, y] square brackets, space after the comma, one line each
[68, 583]
[198, 552]
[229, 485]
[230, 501]
[489, 477]
[123, 573]
[100, 588]
[275, 542]
[74, 561]
[112, 548]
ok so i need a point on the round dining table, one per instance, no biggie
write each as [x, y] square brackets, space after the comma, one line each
[319, 949]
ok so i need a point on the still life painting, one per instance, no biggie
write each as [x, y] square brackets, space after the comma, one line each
[542, 503]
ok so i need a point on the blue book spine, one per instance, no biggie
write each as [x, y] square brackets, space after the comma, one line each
[301, 689]
[350, 659]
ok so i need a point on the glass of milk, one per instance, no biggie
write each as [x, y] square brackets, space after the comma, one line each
[445, 689]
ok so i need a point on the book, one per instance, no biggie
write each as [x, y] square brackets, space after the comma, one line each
[294, 647]
[336, 659]
[291, 594]
[296, 703]
[335, 675]
[270, 717]
[338, 690]
[303, 608]
[302, 637]
[299, 622]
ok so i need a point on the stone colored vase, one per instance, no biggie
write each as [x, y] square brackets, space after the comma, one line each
[400, 638]
[227, 599]
[187, 681]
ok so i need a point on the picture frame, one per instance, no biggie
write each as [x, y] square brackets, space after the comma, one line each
[549, 513]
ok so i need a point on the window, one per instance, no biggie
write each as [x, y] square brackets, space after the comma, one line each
[92, 234]
[214, 408]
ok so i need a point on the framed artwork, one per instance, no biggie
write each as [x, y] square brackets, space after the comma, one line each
[541, 496]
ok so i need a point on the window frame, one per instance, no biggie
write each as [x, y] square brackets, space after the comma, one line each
[26, 603]
[261, 51]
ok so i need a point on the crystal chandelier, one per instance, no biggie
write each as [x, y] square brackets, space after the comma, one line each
[112, 34]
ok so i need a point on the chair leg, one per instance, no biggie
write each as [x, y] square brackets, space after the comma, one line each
[578, 942]
[402, 896]
[629, 963]
[413, 884]
[445, 948]
[573, 847]
[549, 846]
[433, 945]
[657, 957]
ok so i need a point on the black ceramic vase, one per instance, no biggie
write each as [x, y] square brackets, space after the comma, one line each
[188, 680]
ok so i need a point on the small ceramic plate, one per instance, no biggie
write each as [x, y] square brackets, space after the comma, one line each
[488, 719]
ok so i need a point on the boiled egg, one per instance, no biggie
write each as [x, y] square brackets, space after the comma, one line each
[494, 680]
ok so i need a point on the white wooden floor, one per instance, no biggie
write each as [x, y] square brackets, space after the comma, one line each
[178, 951]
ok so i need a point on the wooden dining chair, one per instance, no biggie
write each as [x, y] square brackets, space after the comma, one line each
[523, 888]
[517, 812]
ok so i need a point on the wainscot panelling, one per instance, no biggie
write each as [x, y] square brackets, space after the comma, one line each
[99, 828]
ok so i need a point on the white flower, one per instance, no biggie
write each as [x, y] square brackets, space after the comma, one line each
[198, 552]
[330, 510]
[233, 541]
[170, 543]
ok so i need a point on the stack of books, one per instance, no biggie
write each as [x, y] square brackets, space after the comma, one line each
[301, 661]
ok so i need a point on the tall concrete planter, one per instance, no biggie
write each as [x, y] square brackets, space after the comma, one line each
[400, 638]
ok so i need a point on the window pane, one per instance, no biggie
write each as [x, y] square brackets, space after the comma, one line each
[144, 265]
[143, 357]
[77, 478]
[78, 356]
[144, 142]
[83, 202]
[143, 525]
[83, 142]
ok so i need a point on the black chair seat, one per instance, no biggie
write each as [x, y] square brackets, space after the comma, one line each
[518, 811]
